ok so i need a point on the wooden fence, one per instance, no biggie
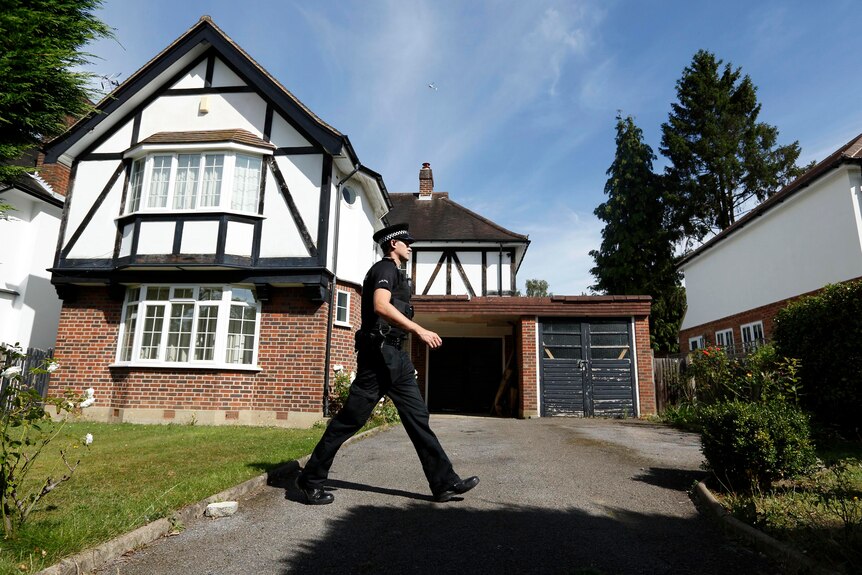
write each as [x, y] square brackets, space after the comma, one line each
[669, 377]
[34, 358]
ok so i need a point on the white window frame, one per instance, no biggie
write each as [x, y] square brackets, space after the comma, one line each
[724, 337]
[694, 343]
[141, 182]
[346, 321]
[750, 340]
[129, 343]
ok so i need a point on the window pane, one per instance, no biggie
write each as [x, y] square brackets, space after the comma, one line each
[209, 294]
[567, 339]
[184, 293]
[188, 168]
[550, 352]
[561, 327]
[136, 181]
[609, 352]
[341, 307]
[159, 180]
[133, 294]
[205, 339]
[246, 183]
[242, 294]
[612, 339]
[240, 335]
[213, 171]
[152, 334]
[609, 328]
[180, 332]
[158, 293]
[129, 324]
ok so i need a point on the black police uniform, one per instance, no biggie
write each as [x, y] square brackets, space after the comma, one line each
[383, 368]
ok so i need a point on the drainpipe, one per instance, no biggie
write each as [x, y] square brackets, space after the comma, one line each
[333, 296]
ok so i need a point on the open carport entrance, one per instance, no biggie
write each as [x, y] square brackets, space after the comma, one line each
[464, 375]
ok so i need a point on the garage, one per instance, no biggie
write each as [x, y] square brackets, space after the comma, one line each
[464, 374]
[586, 367]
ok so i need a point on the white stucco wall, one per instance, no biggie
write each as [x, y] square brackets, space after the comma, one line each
[810, 240]
[356, 251]
[246, 111]
[97, 239]
[30, 236]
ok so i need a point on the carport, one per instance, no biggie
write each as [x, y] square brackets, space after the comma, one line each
[522, 357]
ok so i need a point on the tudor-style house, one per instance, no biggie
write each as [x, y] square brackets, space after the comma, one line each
[213, 244]
[797, 241]
[206, 232]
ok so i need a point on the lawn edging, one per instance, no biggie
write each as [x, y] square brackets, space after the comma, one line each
[91, 559]
[790, 559]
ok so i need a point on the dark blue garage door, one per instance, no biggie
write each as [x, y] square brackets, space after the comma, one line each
[586, 367]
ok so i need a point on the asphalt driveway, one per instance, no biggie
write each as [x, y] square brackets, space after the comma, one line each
[556, 495]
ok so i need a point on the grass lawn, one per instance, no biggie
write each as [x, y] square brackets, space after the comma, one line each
[819, 514]
[134, 474]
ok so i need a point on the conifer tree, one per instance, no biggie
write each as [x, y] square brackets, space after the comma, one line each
[40, 48]
[721, 156]
[636, 254]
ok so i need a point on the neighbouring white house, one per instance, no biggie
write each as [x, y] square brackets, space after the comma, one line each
[29, 305]
[807, 235]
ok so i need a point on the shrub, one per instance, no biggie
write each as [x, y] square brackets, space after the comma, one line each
[384, 411]
[749, 445]
[762, 376]
[824, 331]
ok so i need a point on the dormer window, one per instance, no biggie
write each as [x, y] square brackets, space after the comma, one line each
[219, 170]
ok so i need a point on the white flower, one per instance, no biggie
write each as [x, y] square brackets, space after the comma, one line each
[90, 398]
[88, 439]
[52, 366]
[14, 349]
[338, 368]
[352, 376]
[14, 370]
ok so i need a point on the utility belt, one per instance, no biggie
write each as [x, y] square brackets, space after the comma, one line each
[379, 338]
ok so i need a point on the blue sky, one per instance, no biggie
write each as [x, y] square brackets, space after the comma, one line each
[520, 127]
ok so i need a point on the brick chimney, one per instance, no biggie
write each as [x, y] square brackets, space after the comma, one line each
[426, 182]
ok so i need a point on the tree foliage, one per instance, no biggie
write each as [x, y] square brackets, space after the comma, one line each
[636, 254]
[720, 155]
[537, 288]
[40, 48]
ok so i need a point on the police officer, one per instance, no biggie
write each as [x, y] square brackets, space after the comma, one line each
[383, 368]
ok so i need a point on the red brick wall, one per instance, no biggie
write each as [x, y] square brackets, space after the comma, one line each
[765, 313]
[646, 383]
[526, 342]
[291, 355]
[56, 175]
[342, 337]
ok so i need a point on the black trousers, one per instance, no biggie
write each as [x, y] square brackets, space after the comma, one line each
[382, 371]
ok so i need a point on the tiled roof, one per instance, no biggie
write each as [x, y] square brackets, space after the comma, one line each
[849, 152]
[558, 306]
[441, 219]
[208, 136]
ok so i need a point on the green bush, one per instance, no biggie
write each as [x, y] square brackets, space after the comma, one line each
[750, 445]
[825, 332]
[761, 376]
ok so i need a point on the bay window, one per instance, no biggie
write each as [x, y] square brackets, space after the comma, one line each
[220, 179]
[193, 326]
